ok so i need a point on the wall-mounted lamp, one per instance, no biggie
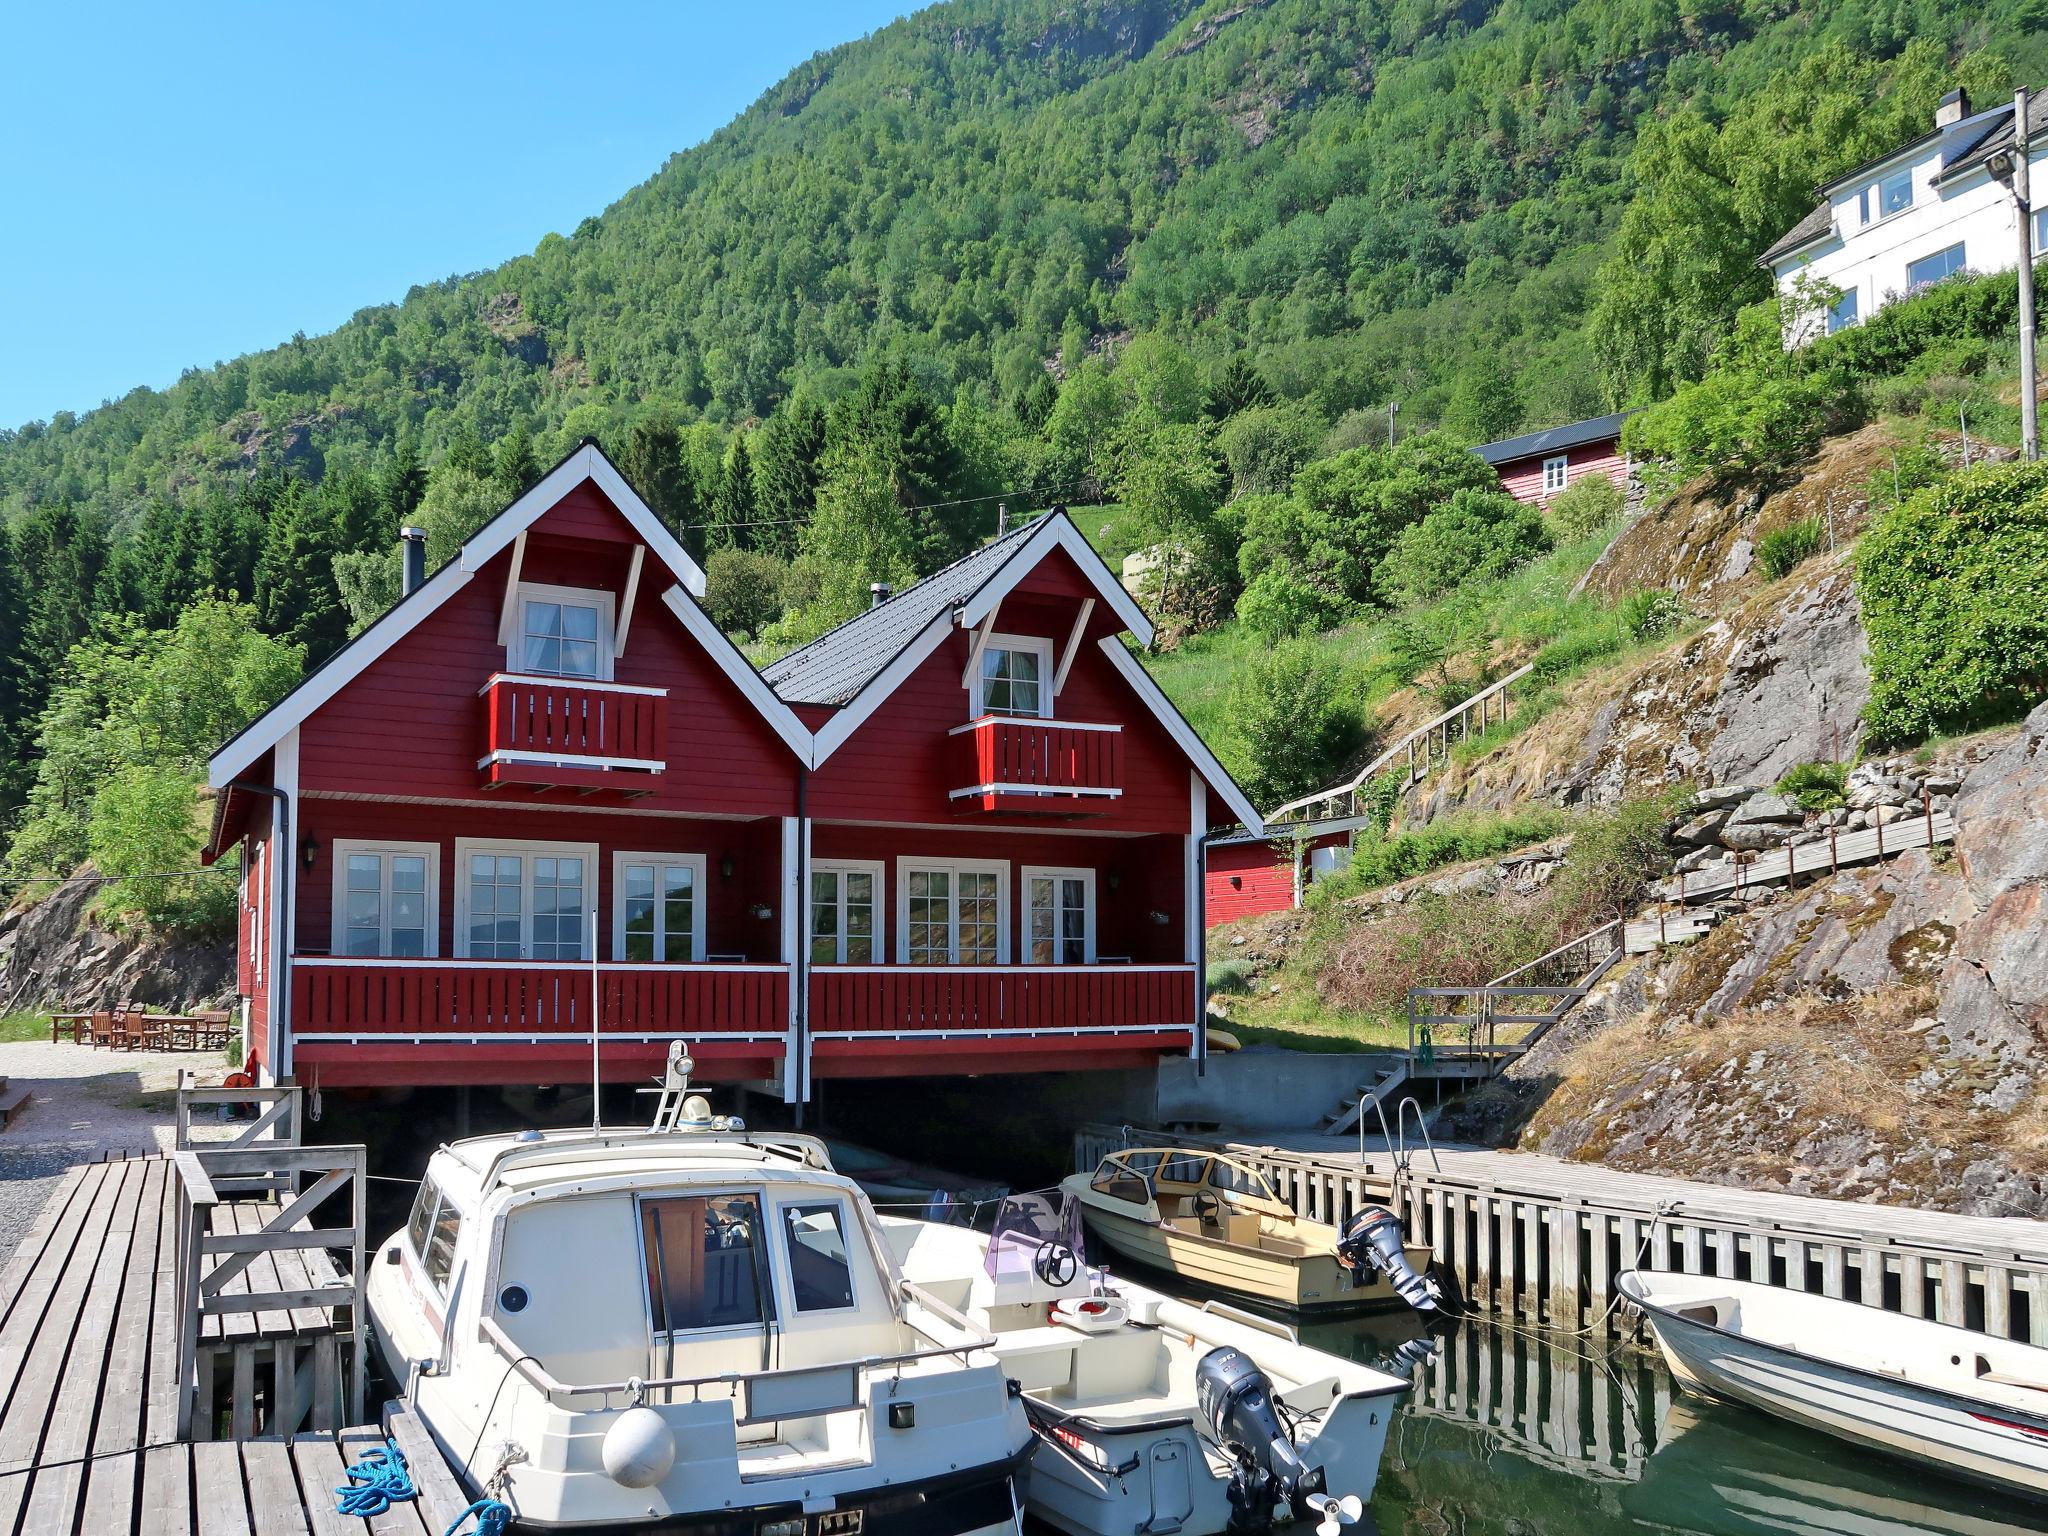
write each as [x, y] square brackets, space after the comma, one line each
[1115, 878]
[1160, 918]
[725, 865]
[309, 850]
[1237, 882]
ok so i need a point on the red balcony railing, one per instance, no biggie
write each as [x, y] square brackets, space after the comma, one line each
[1054, 999]
[547, 732]
[1050, 767]
[522, 1000]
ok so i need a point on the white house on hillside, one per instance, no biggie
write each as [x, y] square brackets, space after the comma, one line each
[1928, 209]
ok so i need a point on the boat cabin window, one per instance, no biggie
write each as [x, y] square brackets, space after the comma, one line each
[820, 1274]
[1184, 1168]
[440, 1254]
[703, 1256]
[1229, 1179]
[1118, 1180]
[421, 1222]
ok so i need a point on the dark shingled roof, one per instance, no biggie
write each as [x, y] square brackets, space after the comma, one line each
[839, 663]
[1552, 439]
[1809, 229]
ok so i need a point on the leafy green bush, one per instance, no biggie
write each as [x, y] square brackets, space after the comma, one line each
[1746, 422]
[742, 589]
[1954, 592]
[1294, 725]
[1816, 786]
[1448, 840]
[1280, 602]
[1781, 550]
[1476, 534]
[1584, 507]
[1569, 653]
[1650, 614]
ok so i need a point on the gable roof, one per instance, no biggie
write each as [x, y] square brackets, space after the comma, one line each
[1551, 439]
[1817, 225]
[585, 462]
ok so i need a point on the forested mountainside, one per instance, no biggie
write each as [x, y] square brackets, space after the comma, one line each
[1155, 253]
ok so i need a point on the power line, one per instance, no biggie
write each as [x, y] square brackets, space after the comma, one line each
[922, 506]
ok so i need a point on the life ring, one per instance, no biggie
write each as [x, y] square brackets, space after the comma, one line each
[1089, 1314]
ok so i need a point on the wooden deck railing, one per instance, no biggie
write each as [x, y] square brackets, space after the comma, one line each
[911, 999]
[551, 722]
[333, 996]
[1006, 762]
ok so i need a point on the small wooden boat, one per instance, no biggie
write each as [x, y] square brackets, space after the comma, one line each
[1215, 1222]
[1962, 1403]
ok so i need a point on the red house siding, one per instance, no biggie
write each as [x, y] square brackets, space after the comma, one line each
[1247, 879]
[1523, 478]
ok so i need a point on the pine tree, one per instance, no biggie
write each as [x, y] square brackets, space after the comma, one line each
[786, 458]
[516, 467]
[733, 511]
[403, 483]
[296, 598]
[1238, 388]
[651, 459]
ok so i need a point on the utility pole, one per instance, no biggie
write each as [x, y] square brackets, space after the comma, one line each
[1393, 410]
[2022, 191]
[2009, 169]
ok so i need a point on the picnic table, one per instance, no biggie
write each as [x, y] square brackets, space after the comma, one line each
[157, 1031]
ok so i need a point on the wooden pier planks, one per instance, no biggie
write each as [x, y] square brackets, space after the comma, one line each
[88, 1390]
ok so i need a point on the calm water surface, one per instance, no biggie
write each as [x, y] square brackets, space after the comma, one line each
[1509, 1435]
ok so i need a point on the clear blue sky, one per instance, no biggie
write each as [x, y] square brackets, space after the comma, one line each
[180, 184]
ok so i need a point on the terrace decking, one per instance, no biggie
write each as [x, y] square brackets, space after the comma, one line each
[89, 1380]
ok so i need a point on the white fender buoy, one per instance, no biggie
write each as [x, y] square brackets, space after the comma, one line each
[638, 1449]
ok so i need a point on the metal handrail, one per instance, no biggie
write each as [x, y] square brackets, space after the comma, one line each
[554, 1388]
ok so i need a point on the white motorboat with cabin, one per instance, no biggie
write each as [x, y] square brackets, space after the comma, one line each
[1959, 1402]
[690, 1328]
[1213, 1220]
[1154, 1415]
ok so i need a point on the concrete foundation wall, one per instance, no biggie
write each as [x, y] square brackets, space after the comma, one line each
[1264, 1090]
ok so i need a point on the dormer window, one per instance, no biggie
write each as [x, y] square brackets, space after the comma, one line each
[1015, 677]
[1895, 193]
[563, 632]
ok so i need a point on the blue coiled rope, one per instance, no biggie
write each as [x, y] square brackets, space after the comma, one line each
[377, 1480]
[492, 1518]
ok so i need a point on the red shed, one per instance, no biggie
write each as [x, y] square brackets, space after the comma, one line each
[1538, 465]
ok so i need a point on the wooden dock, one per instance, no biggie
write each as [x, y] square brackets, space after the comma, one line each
[90, 1381]
[1542, 1239]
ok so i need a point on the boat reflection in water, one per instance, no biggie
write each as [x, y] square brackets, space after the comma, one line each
[1506, 1434]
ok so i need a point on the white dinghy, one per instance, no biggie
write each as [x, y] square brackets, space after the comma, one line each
[1154, 1416]
[1960, 1402]
[693, 1328]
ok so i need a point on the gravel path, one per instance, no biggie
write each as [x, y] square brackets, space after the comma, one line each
[86, 1103]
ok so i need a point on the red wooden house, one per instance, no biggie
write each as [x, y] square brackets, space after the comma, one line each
[1539, 465]
[961, 833]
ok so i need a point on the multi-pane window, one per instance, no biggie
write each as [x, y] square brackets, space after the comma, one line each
[1932, 269]
[496, 901]
[1895, 193]
[1010, 684]
[1059, 914]
[952, 915]
[1556, 471]
[1842, 312]
[845, 903]
[558, 909]
[385, 904]
[523, 900]
[659, 905]
[561, 639]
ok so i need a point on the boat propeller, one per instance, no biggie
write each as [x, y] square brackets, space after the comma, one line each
[1337, 1513]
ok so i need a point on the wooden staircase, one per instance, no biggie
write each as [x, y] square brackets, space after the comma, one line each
[1385, 1087]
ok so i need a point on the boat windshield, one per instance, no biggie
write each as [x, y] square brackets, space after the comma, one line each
[1235, 1179]
[1025, 1224]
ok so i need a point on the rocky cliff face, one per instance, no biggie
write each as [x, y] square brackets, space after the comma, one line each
[1881, 1035]
[57, 955]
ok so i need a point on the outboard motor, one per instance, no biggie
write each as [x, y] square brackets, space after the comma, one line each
[1372, 1240]
[1267, 1478]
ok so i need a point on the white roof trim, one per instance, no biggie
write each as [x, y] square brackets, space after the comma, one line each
[1058, 532]
[780, 717]
[1182, 733]
[586, 463]
[854, 713]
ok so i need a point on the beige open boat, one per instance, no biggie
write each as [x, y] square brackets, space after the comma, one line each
[1215, 1222]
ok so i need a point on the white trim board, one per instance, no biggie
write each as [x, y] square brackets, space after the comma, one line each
[586, 463]
[1058, 532]
[780, 717]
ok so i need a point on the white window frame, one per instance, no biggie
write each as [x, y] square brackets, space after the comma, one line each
[1836, 319]
[1562, 463]
[876, 870]
[698, 864]
[906, 864]
[1877, 198]
[1039, 645]
[1960, 247]
[528, 849]
[341, 850]
[1055, 872]
[786, 1270]
[583, 597]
